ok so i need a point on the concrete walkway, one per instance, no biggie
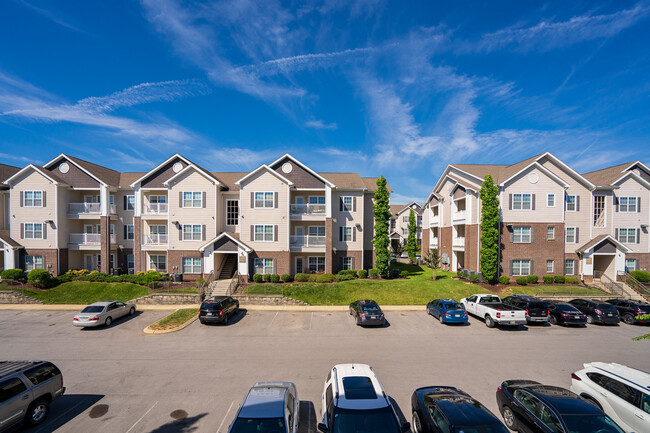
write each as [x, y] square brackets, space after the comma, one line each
[297, 308]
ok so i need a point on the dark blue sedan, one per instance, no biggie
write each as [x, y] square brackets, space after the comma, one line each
[447, 311]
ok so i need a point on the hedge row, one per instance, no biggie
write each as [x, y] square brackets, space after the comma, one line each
[42, 279]
[345, 275]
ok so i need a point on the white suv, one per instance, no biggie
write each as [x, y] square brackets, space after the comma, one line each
[354, 401]
[621, 392]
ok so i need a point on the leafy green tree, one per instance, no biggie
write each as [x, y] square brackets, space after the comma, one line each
[381, 241]
[432, 260]
[489, 230]
[412, 243]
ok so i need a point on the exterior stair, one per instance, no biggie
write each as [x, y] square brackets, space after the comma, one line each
[219, 288]
[618, 289]
[228, 268]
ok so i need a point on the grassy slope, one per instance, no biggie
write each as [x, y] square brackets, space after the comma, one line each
[84, 292]
[175, 319]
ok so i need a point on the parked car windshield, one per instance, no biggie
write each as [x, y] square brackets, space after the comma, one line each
[590, 424]
[607, 308]
[564, 307]
[365, 421]
[93, 309]
[481, 429]
[259, 425]
[211, 307]
[452, 306]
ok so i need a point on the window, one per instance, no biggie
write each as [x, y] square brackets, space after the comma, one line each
[599, 211]
[348, 204]
[316, 264]
[33, 198]
[550, 233]
[42, 373]
[521, 235]
[158, 263]
[620, 390]
[191, 265]
[521, 202]
[347, 263]
[550, 420]
[111, 229]
[569, 267]
[571, 203]
[316, 230]
[157, 199]
[298, 265]
[232, 212]
[316, 199]
[264, 199]
[157, 230]
[645, 402]
[11, 388]
[33, 231]
[439, 420]
[392, 223]
[263, 266]
[528, 401]
[130, 263]
[346, 233]
[550, 200]
[129, 232]
[627, 204]
[130, 202]
[405, 231]
[549, 266]
[405, 218]
[33, 262]
[192, 232]
[570, 235]
[626, 236]
[520, 267]
[630, 265]
[192, 199]
[264, 233]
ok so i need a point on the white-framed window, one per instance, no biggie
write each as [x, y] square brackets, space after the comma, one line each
[157, 199]
[550, 233]
[232, 212]
[130, 263]
[264, 199]
[111, 199]
[33, 262]
[192, 199]
[33, 231]
[157, 229]
[264, 233]
[520, 267]
[130, 202]
[405, 218]
[348, 203]
[191, 265]
[32, 198]
[571, 203]
[111, 229]
[630, 265]
[405, 231]
[316, 230]
[550, 200]
[569, 265]
[192, 232]
[392, 223]
[158, 263]
[549, 266]
[316, 264]
[316, 199]
[627, 204]
[627, 235]
[570, 235]
[347, 234]
[522, 201]
[599, 211]
[263, 266]
[130, 232]
[521, 235]
[347, 263]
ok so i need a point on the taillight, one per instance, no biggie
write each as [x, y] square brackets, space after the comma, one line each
[498, 388]
[75, 320]
[447, 313]
[640, 312]
[498, 315]
[362, 316]
[575, 376]
[597, 311]
[93, 319]
[566, 315]
[548, 312]
[220, 313]
[382, 316]
[527, 314]
[465, 314]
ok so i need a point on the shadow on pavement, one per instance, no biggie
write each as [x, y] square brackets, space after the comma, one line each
[65, 409]
[308, 419]
[184, 425]
[115, 324]
[398, 410]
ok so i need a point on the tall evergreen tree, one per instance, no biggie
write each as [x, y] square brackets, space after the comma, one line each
[412, 243]
[490, 219]
[381, 240]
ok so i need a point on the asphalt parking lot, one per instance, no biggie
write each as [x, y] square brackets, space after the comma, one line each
[121, 380]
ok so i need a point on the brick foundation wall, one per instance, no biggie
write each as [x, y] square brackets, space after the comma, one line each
[445, 245]
[337, 259]
[174, 258]
[539, 251]
[471, 247]
[643, 258]
[282, 261]
[49, 258]
[63, 261]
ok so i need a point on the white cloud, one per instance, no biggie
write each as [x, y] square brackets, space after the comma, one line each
[240, 157]
[319, 124]
[18, 158]
[396, 198]
[348, 156]
[52, 15]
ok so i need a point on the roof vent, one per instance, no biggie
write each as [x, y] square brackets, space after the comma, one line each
[64, 168]
[287, 167]
[177, 167]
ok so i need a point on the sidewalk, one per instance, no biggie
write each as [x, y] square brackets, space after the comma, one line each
[294, 308]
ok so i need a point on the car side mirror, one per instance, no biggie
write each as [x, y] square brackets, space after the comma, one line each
[322, 427]
[406, 426]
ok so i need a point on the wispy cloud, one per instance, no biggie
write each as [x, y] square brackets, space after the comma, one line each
[319, 124]
[52, 15]
[240, 157]
[18, 158]
[397, 198]
[337, 153]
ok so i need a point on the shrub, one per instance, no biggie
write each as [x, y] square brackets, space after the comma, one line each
[13, 274]
[504, 279]
[146, 278]
[128, 278]
[351, 272]
[40, 278]
[344, 277]
[548, 279]
[274, 278]
[533, 279]
[572, 280]
[374, 273]
[301, 278]
[287, 278]
[258, 278]
[324, 278]
[459, 273]
[363, 273]
[522, 281]
[312, 278]
[641, 276]
[558, 279]
[267, 278]
[473, 278]
[404, 274]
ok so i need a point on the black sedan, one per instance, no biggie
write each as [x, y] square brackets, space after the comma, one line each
[439, 409]
[563, 313]
[367, 312]
[629, 310]
[530, 407]
[597, 311]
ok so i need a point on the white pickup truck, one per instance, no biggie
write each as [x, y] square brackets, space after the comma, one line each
[494, 311]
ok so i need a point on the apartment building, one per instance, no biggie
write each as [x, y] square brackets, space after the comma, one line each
[180, 218]
[553, 219]
[399, 222]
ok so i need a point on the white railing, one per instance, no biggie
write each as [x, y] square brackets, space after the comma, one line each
[112, 208]
[156, 208]
[156, 239]
[85, 238]
[458, 242]
[307, 241]
[84, 208]
[307, 209]
[434, 220]
[433, 242]
[458, 215]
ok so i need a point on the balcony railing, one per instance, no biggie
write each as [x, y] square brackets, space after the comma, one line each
[89, 208]
[88, 238]
[433, 242]
[156, 239]
[459, 215]
[307, 209]
[307, 241]
[156, 208]
[458, 242]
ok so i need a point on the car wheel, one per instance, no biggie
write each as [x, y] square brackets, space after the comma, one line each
[225, 319]
[350, 311]
[552, 320]
[358, 322]
[415, 423]
[108, 321]
[236, 311]
[629, 319]
[489, 322]
[37, 412]
[509, 419]
[132, 311]
[590, 319]
[442, 320]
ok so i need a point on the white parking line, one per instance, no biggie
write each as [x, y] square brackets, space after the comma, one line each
[224, 417]
[52, 421]
[145, 414]
[276, 315]
[310, 319]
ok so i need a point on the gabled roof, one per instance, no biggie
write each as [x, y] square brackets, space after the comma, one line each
[231, 236]
[418, 209]
[610, 175]
[395, 208]
[318, 176]
[101, 174]
[167, 161]
[126, 179]
[51, 176]
[270, 170]
[541, 168]
[188, 168]
[228, 179]
[7, 171]
[600, 239]
[6, 238]
[633, 175]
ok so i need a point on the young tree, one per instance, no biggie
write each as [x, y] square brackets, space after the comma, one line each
[412, 243]
[432, 260]
[489, 230]
[381, 240]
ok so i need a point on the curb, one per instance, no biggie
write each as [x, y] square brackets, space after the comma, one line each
[250, 307]
[150, 331]
[79, 307]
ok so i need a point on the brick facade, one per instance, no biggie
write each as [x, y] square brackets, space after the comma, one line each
[105, 247]
[445, 245]
[282, 261]
[425, 240]
[137, 241]
[539, 251]
[175, 258]
[50, 258]
[643, 260]
[337, 259]
[472, 246]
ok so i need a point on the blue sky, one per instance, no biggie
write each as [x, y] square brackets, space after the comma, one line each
[371, 86]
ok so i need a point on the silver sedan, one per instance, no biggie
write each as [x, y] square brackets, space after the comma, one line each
[103, 313]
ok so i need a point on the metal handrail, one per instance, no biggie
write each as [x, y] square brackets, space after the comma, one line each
[234, 282]
[636, 285]
[612, 286]
[205, 285]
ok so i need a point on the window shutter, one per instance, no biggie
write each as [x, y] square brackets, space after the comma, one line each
[180, 198]
[45, 201]
[354, 234]
[512, 267]
[125, 230]
[340, 234]
[532, 234]
[22, 198]
[615, 200]
[532, 267]
[352, 263]
[180, 232]
[45, 231]
[616, 234]
[252, 199]
[275, 200]
[341, 204]
[275, 266]
[275, 233]
[22, 231]
[636, 264]
[512, 235]
[252, 233]
[354, 204]
[577, 203]
[577, 234]
[532, 205]
[638, 236]
[203, 230]
[638, 203]
[204, 197]
[124, 202]
[509, 201]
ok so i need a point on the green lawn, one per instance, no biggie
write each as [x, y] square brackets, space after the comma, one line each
[418, 288]
[85, 292]
[175, 319]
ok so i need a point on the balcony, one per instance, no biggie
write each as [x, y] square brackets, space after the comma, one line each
[307, 241]
[87, 239]
[155, 239]
[458, 243]
[459, 216]
[155, 209]
[82, 209]
[434, 220]
[433, 242]
[298, 211]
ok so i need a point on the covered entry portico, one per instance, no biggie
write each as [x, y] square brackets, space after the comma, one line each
[222, 252]
[602, 257]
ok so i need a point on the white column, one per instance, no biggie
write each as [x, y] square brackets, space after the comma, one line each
[328, 201]
[137, 209]
[103, 199]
